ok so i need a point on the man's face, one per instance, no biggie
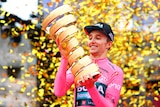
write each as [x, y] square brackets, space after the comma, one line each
[97, 43]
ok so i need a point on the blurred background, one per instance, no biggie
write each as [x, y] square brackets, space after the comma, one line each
[29, 60]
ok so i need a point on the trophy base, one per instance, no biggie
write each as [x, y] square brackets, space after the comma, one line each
[95, 77]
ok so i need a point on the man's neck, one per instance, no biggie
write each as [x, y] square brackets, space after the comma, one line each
[97, 56]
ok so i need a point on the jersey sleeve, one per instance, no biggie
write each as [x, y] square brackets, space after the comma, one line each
[63, 80]
[114, 86]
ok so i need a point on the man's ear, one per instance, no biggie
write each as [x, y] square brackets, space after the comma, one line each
[109, 44]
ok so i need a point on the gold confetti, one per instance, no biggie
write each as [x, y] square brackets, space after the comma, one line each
[5, 67]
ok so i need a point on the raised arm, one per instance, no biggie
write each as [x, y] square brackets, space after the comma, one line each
[63, 80]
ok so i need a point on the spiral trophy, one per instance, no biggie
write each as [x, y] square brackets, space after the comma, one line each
[62, 27]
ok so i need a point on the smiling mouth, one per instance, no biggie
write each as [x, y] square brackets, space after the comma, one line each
[93, 46]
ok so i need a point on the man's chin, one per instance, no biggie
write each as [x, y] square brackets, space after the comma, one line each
[93, 52]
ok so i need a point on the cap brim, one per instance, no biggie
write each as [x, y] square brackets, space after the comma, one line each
[89, 29]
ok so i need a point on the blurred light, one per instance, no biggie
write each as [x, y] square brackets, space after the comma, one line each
[5, 33]
[3, 0]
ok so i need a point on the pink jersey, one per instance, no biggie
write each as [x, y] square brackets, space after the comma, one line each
[107, 87]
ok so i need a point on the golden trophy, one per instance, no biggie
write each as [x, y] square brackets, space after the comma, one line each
[63, 28]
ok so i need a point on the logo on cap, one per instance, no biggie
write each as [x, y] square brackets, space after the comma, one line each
[111, 36]
[99, 25]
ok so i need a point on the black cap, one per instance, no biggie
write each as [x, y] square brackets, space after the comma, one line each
[105, 28]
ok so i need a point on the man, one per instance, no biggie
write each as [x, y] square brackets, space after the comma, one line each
[105, 92]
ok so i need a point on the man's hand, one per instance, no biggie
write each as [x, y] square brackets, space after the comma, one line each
[87, 81]
[62, 51]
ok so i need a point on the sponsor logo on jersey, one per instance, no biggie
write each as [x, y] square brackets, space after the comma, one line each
[84, 99]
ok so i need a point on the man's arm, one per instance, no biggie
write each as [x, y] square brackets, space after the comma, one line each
[112, 93]
[63, 81]
[98, 99]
